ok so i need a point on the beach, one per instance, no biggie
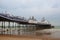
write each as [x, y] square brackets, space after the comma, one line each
[13, 37]
[32, 37]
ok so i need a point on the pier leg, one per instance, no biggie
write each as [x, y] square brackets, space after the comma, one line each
[21, 29]
[13, 24]
[24, 29]
[2, 28]
[9, 27]
[15, 28]
[18, 29]
[13, 31]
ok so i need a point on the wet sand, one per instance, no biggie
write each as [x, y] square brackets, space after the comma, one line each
[40, 35]
[18, 37]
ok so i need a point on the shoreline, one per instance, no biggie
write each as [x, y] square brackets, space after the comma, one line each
[18, 37]
[43, 36]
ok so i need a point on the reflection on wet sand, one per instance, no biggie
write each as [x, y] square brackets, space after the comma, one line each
[54, 33]
[47, 34]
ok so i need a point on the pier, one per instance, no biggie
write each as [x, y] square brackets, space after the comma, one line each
[18, 25]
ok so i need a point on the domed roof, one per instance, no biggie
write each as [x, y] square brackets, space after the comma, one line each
[44, 20]
[32, 18]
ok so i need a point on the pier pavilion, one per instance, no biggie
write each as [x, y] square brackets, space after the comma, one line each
[15, 25]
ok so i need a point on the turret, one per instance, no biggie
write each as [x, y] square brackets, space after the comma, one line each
[32, 20]
[44, 21]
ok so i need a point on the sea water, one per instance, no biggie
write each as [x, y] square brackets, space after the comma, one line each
[55, 32]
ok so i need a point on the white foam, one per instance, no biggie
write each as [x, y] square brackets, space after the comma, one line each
[48, 30]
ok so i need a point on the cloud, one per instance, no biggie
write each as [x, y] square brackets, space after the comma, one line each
[33, 6]
[29, 3]
[40, 8]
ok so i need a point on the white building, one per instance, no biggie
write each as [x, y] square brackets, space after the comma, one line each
[32, 20]
[44, 21]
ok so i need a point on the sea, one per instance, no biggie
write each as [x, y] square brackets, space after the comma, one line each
[55, 32]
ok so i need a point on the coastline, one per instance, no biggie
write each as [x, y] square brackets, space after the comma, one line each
[15, 37]
[44, 36]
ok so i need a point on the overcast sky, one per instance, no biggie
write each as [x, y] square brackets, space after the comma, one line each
[50, 9]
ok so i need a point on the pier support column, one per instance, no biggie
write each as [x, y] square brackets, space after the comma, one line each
[2, 28]
[18, 29]
[24, 30]
[9, 28]
[15, 26]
